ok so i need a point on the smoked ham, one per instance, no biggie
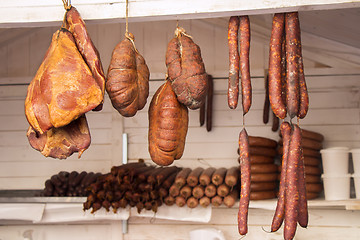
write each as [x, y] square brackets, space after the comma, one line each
[186, 70]
[128, 78]
[75, 24]
[62, 142]
[168, 124]
[63, 88]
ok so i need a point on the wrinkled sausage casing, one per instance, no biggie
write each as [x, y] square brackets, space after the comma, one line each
[278, 218]
[245, 171]
[292, 39]
[168, 124]
[63, 88]
[246, 89]
[128, 79]
[275, 59]
[234, 62]
[186, 70]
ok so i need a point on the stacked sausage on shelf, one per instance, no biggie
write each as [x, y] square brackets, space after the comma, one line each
[205, 186]
[134, 184]
[311, 144]
[263, 168]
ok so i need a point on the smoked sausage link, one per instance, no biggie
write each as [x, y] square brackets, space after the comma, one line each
[292, 63]
[234, 62]
[246, 89]
[245, 181]
[278, 218]
[275, 86]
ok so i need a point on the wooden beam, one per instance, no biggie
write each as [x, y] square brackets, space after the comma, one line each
[21, 13]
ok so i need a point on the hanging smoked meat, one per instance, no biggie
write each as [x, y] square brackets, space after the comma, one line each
[128, 78]
[63, 88]
[75, 24]
[186, 70]
[168, 124]
[62, 142]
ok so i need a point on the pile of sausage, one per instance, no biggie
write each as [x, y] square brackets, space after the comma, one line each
[185, 87]
[134, 184]
[204, 187]
[311, 146]
[263, 168]
[69, 184]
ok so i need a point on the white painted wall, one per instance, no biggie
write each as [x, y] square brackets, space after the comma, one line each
[334, 112]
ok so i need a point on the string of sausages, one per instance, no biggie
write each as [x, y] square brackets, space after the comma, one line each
[239, 63]
[288, 96]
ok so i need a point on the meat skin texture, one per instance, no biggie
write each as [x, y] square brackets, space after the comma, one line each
[63, 88]
[168, 124]
[62, 142]
[186, 70]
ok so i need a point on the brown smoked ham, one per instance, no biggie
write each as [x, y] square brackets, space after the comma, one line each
[186, 70]
[76, 25]
[62, 142]
[63, 88]
[128, 78]
[168, 124]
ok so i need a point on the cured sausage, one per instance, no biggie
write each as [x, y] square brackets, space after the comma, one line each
[263, 168]
[205, 177]
[309, 143]
[127, 78]
[292, 63]
[262, 195]
[275, 86]
[314, 187]
[292, 187]
[244, 63]
[193, 177]
[218, 176]
[275, 123]
[209, 103]
[311, 170]
[278, 218]
[310, 161]
[262, 142]
[304, 96]
[263, 151]
[263, 186]
[245, 181]
[186, 70]
[306, 151]
[312, 135]
[266, 110]
[303, 216]
[263, 177]
[232, 176]
[234, 62]
[168, 124]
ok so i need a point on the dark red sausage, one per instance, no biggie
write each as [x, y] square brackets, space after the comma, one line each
[291, 190]
[303, 216]
[278, 218]
[275, 86]
[304, 96]
[292, 63]
[244, 63]
[234, 62]
[266, 109]
[244, 147]
[209, 103]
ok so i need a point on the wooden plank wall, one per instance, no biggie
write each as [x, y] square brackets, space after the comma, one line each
[334, 112]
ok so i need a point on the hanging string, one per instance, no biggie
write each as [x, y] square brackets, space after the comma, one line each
[127, 18]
